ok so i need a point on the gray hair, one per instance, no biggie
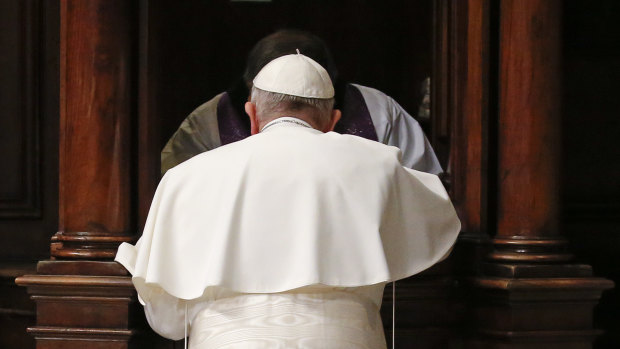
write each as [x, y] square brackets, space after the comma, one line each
[270, 104]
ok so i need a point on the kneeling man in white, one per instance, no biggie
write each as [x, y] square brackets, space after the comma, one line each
[287, 238]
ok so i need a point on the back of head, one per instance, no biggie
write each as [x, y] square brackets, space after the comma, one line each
[285, 42]
[272, 105]
[291, 85]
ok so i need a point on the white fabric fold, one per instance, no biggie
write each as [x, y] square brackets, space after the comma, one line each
[289, 208]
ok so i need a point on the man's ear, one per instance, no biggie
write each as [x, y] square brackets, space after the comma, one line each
[336, 114]
[250, 109]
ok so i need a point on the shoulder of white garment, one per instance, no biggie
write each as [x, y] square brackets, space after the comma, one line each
[234, 156]
[205, 202]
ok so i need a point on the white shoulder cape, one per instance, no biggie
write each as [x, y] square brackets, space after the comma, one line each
[287, 208]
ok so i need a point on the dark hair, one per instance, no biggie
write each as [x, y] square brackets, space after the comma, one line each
[284, 42]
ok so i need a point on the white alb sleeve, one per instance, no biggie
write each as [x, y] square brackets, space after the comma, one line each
[395, 127]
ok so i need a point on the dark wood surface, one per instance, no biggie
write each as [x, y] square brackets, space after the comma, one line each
[29, 143]
[20, 189]
[529, 111]
[75, 311]
[530, 294]
[98, 67]
[469, 132]
[590, 168]
[469, 81]
[17, 311]
[429, 309]
[443, 81]
[28, 128]
[148, 127]
[98, 57]
[78, 303]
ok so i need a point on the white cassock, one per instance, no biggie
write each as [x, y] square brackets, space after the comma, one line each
[285, 240]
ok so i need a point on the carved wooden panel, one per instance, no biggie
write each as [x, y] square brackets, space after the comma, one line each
[20, 189]
[17, 312]
[590, 166]
[28, 139]
[28, 127]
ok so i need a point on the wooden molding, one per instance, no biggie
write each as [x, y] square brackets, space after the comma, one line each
[562, 288]
[74, 280]
[84, 245]
[532, 312]
[75, 311]
[81, 267]
[86, 334]
[532, 250]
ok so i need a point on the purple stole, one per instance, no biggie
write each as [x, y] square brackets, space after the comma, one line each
[234, 126]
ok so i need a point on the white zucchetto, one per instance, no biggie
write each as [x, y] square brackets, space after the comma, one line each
[295, 75]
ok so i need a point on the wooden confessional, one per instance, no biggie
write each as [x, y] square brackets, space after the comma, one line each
[106, 82]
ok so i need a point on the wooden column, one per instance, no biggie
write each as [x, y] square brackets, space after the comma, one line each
[528, 131]
[529, 294]
[97, 106]
[470, 135]
[83, 298]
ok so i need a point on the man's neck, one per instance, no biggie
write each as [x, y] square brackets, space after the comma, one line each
[295, 116]
[287, 120]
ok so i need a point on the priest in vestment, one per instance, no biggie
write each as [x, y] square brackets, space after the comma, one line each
[365, 111]
[287, 238]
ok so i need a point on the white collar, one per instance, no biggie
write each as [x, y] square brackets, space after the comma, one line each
[287, 120]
